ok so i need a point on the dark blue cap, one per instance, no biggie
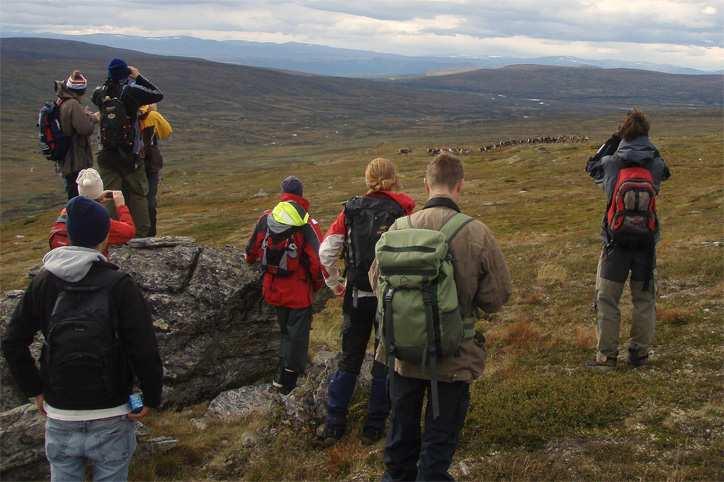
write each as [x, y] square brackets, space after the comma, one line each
[88, 222]
[118, 70]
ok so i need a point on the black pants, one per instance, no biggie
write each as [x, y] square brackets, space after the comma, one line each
[294, 347]
[410, 455]
[357, 327]
[617, 262]
[153, 179]
[71, 186]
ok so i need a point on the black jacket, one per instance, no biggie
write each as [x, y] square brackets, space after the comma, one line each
[137, 92]
[134, 328]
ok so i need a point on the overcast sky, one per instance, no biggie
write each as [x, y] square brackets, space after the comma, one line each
[688, 33]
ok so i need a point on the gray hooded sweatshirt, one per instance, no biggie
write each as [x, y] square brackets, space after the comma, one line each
[639, 151]
[71, 263]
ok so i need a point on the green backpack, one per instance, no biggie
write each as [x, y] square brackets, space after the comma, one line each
[421, 318]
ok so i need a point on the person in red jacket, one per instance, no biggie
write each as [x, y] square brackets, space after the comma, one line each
[285, 243]
[90, 185]
[353, 236]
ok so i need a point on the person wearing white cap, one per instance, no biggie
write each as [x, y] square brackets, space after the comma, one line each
[78, 124]
[90, 185]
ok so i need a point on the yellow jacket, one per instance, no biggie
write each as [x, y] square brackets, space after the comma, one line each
[161, 126]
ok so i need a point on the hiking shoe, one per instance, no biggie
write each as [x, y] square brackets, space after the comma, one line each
[371, 435]
[637, 361]
[331, 435]
[603, 365]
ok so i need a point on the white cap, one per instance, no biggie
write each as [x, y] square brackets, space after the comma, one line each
[90, 184]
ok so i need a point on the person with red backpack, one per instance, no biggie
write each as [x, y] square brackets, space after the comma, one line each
[285, 243]
[353, 236]
[631, 177]
[90, 185]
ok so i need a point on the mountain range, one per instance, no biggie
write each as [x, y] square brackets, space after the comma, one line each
[222, 104]
[331, 61]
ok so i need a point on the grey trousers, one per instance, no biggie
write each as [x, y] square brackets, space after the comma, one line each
[613, 270]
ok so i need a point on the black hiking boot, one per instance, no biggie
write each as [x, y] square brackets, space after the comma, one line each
[602, 365]
[372, 435]
[331, 435]
[285, 382]
[637, 361]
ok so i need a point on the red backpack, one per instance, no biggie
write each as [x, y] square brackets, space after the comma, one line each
[631, 215]
[280, 253]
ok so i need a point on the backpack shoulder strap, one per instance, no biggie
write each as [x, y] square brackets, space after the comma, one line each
[451, 228]
[405, 222]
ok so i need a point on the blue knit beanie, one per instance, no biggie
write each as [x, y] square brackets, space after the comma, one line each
[88, 222]
[118, 70]
[293, 185]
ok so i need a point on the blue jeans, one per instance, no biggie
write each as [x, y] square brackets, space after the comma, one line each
[107, 444]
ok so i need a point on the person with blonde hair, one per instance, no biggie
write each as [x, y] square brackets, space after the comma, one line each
[353, 236]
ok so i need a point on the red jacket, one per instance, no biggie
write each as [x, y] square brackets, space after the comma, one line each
[122, 230]
[334, 241]
[295, 290]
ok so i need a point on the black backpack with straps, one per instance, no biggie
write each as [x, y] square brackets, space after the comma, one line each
[116, 125]
[83, 358]
[366, 219]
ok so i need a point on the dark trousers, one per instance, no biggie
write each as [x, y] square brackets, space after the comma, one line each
[71, 187]
[153, 179]
[410, 455]
[293, 349]
[359, 323]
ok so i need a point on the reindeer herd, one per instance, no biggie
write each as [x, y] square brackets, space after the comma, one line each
[462, 150]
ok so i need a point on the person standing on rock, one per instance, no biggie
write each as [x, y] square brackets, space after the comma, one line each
[481, 282]
[285, 243]
[98, 338]
[353, 236]
[119, 160]
[631, 178]
[78, 124]
[90, 185]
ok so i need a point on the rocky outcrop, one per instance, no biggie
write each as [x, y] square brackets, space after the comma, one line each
[22, 450]
[305, 406]
[213, 329]
[214, 333]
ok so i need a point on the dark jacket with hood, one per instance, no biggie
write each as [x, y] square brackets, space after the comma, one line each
[75, 265]
[134, 93]
[78, 125]
[638, 152]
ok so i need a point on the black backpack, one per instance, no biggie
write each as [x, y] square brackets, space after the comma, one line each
[366, 219]
[116, 125]
[83, 357]
[54, 145]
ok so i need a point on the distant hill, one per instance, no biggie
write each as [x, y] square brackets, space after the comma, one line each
[221, 104]
[609, 87]
[324, 60]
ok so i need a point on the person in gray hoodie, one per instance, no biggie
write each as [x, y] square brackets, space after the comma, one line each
[618, 259]
[98, 336]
